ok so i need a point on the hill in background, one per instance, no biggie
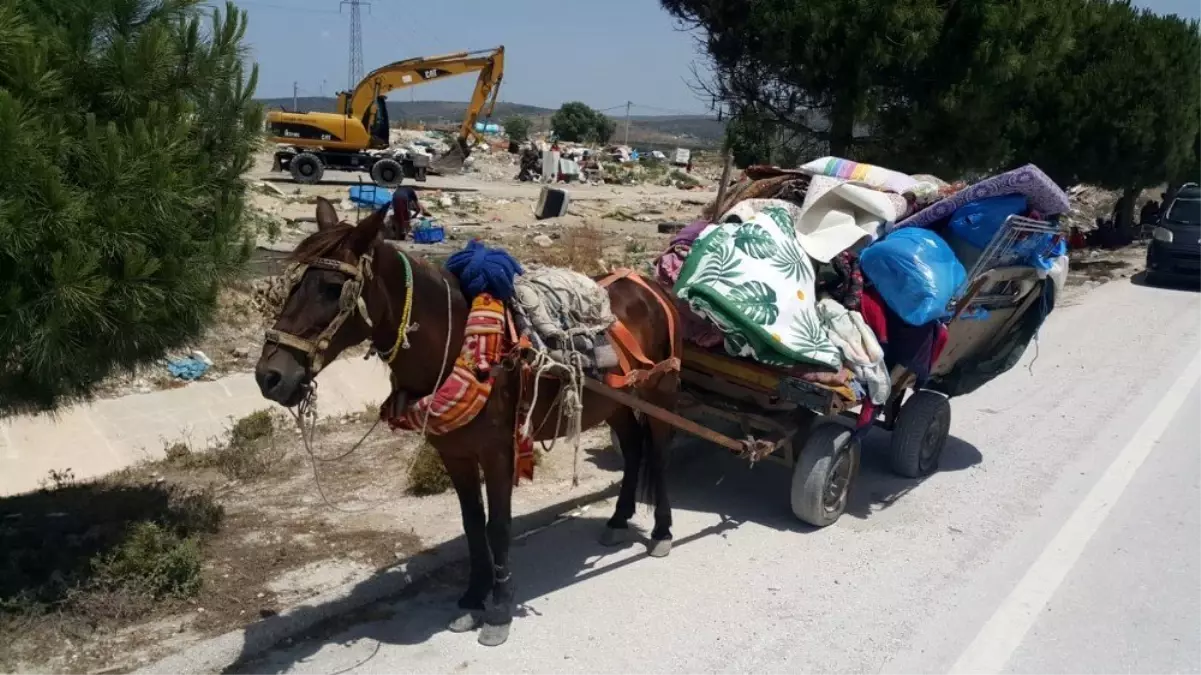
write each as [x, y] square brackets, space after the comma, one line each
[652, 131]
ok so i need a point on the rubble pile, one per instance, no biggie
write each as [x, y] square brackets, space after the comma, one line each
[1088, 203]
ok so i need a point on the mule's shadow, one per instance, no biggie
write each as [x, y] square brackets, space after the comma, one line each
[703, 478]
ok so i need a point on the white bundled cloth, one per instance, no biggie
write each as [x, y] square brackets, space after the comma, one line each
[858, 345]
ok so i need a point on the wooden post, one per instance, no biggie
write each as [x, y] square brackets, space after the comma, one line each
[725, 178]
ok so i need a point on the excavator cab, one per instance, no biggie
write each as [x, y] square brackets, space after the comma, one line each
[376, 121]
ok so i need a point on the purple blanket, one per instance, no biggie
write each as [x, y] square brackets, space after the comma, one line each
[1042, 192]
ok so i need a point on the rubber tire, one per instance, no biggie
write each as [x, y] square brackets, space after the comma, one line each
[385, 167]
[306, 159]
[913, 434]
[811, 473]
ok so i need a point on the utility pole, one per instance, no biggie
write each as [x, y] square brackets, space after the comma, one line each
[295, 90]
[626, 142]
[355, 67]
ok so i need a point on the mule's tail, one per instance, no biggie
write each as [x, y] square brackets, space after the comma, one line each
[652, 468]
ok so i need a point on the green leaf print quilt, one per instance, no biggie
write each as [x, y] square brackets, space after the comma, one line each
[755, 282]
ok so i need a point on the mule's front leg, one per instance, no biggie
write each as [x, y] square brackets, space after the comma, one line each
[498, 615]
[464, 473]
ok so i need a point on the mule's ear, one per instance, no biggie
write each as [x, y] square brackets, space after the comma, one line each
[366, 232]
[327, 217]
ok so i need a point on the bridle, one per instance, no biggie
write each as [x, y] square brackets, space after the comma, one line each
[349, 301]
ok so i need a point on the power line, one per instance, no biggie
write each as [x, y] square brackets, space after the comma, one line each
[355, 68]
[665, 110]
[255, 4]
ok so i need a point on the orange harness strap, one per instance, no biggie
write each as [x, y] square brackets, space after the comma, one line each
[628, 346]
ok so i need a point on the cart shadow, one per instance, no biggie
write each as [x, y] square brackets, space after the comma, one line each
[709, 479]
[878, 488]
[703, 478]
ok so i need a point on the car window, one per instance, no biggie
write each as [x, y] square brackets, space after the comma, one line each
[1187, 211]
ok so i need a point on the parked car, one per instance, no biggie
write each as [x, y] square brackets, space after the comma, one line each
[1174, 253]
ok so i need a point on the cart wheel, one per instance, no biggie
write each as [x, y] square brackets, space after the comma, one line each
[920, 434]
[822, 475]
[306, 168]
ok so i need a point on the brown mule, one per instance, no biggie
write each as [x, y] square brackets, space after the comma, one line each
[350, 286]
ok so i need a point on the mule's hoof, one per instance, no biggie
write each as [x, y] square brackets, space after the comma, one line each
[659, 548]
[494, 635]
[614, 536]
[465, 622]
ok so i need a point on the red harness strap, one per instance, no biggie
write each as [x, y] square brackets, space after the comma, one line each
[628, 348]
[636, 368]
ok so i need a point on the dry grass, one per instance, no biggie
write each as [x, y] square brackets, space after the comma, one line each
[251, 451]
[78, 557]
[683, 178]
[90, 572]
[427, 475]
[580, 248]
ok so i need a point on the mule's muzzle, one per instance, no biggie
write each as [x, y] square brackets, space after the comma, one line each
[286, 386]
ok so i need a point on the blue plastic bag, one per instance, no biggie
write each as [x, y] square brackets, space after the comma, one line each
[915, 272]
[976, 222]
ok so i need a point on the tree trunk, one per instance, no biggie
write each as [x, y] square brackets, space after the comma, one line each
[1124, 216]
[842, 125]
[1170, 194]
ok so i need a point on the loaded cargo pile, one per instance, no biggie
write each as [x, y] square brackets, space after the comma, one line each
[839, 273]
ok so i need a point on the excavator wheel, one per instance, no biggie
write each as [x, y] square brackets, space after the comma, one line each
[306, 168]
[387, 173]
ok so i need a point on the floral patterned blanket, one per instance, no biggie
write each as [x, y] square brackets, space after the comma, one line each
[755, 282]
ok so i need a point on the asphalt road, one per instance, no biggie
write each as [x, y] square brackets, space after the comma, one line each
[1061, 535]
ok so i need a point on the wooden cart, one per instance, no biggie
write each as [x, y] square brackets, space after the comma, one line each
[807, 426]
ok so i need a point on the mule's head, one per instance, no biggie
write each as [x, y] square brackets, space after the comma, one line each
[324, 311]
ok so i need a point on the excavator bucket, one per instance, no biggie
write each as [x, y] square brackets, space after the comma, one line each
[452, 161]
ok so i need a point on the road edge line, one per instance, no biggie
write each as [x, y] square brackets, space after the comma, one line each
[1006, 628]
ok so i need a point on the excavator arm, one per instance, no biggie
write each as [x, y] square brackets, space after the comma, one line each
[490, 63]
[361, 120]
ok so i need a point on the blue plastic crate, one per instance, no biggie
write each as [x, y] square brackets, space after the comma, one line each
[429, 234]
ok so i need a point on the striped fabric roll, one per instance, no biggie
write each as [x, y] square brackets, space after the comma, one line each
[466, 390]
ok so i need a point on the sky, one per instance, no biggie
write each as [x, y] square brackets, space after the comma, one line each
[601, 53]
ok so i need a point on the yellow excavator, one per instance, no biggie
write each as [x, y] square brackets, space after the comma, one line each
[355, 138]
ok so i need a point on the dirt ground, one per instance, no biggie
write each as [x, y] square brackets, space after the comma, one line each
[617, 225]
[266, 540]
[1090, 268]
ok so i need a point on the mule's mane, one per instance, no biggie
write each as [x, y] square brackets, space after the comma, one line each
[322, 243]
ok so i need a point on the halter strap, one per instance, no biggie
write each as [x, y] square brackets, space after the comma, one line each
[406, 315]
[351, 300]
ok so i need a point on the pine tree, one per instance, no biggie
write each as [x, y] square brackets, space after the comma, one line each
[576, 122]
[1123, 110]
[816, 69]
[125, 126]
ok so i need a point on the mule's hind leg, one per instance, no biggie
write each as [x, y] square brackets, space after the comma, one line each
[628, 440]
[464, 473]
[659, 439]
